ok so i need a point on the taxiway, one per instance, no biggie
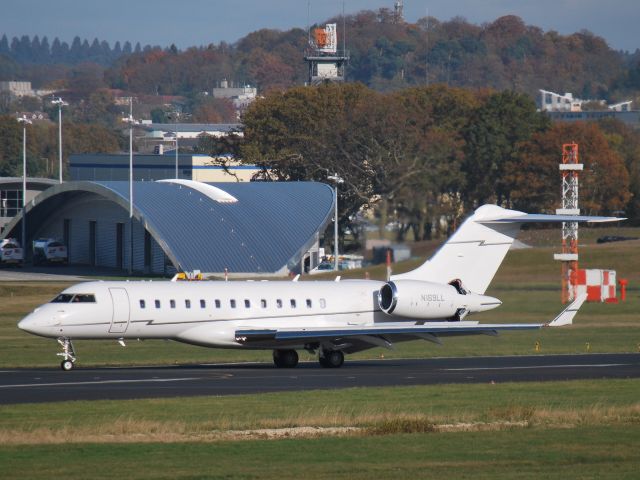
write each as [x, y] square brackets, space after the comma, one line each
[49, 385]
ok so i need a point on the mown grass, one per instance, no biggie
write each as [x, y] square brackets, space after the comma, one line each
[583, 452]
[381, 410]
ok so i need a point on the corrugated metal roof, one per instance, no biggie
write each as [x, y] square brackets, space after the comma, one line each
[270, 226]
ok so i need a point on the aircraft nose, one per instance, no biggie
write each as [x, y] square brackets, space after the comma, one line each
[26, 324]
[35, 323]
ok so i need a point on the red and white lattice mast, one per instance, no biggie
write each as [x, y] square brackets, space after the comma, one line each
[570, 170]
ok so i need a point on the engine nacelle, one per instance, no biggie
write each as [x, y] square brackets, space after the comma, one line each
[431, 301]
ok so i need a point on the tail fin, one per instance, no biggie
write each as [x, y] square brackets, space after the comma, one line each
[475, 251]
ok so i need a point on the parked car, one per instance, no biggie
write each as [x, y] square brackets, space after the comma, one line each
[614, 238]
[48, 250]
[11, 252]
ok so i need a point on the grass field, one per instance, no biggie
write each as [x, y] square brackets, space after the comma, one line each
[581, 429]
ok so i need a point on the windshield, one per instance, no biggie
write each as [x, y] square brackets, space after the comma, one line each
[62, 298]
[78, 298]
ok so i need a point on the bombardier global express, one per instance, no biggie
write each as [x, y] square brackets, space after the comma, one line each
[330, 318]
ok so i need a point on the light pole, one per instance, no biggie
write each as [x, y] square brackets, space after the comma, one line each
[337, 179]
[131, 122]
[24, 120]
[175, 128]
[175, 139]
[61, 103]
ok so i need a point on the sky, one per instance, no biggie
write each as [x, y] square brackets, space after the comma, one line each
[201, 22]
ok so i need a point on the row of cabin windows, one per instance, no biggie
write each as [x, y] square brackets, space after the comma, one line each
[233, 304]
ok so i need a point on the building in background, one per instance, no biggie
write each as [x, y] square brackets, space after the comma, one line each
[257, 228]
[241, 97]
[18, 89]
[567, 108]
[150, 136]
[11, 195]
[203, 168]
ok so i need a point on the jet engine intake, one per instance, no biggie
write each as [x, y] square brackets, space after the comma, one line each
[417, 299]
[431, 301]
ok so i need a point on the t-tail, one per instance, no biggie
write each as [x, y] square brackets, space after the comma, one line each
[473, 254]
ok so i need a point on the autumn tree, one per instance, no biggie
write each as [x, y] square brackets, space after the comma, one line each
[626, 142]
[492, 137]
[535, 180]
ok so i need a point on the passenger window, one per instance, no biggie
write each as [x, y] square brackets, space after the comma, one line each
[279, 303]
[247, 303]
[187, 303]
[293, 303]
[323, 303]
[217, 302]
[233, 303]
[157, 303]
[172, 303]
[308, 303]
[142, 305]
[263, 303]
[203, 304]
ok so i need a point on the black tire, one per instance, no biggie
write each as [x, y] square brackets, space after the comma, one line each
[66, 365]
[285, 358]
[332, 359]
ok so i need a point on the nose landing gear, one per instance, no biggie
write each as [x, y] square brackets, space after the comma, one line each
[68, 354]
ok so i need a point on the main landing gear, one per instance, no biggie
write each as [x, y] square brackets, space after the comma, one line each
[285, 358]
[331, 358]
[289, 358]
[68, 354]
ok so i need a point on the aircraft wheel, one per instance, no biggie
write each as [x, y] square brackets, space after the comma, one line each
[66, 365]
[332, 359]
[285, 358]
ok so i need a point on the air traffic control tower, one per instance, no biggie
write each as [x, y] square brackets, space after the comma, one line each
[326, 62]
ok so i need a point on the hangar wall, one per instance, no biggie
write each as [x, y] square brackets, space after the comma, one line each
[94, 225]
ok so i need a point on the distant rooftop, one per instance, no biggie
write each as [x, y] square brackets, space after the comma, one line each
[193, 127]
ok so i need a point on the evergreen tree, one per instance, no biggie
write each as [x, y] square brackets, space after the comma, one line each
[75, 52]
[4, 45]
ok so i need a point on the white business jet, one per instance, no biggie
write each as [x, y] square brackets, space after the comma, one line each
[329, 318]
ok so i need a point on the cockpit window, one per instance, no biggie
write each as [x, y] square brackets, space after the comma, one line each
[84, 298]
[78, 298]
[62, 298]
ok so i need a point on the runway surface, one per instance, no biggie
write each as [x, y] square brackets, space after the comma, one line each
[49, 385]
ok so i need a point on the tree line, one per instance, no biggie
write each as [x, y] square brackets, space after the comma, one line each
[27, 50]
[423, 157]
[42, 145]
[385, 55]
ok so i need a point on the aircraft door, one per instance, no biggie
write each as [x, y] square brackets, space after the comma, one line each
[120, 318]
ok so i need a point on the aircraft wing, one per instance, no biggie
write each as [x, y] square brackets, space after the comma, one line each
[355, 338]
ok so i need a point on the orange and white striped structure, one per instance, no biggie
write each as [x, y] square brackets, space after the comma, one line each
[599, 285]
[570, 169]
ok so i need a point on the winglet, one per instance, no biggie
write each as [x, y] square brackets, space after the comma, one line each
[566, 316]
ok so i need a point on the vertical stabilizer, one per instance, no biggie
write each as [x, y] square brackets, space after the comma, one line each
[474, 252]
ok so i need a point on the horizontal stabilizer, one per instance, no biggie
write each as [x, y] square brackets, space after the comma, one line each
[566, 316]
[543, 218]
